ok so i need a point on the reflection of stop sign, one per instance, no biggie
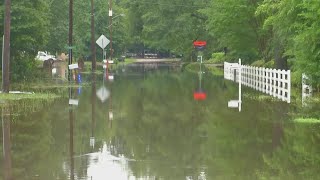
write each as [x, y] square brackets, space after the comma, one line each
[199, 96]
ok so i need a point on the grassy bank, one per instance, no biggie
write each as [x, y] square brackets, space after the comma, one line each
[40, 96]
[208, 68]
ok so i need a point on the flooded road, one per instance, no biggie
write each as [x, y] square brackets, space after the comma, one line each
[146, 124]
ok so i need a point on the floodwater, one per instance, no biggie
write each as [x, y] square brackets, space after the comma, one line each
[146, 125]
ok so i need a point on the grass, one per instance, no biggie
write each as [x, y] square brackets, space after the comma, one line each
[257, 96]
[13, 97]
[195, 67]
[66, 85]
[215, 71]
[306, 121]
[127, 61]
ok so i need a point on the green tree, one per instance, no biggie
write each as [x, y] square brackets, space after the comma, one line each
[235, 26]
[29, 33]
[59, 25]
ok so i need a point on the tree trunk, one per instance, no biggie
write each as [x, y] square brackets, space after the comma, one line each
[280, 60]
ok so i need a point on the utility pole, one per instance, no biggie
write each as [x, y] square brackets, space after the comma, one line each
[70, 36]
[110, 28]
[93, 46]
[6, 48]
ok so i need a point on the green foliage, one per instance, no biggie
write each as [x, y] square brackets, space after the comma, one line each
[262, 63]
[58, 38]
[234, 26]
[309, 120]
[307, 47]
[258, 63]
[25, 68]
[34, 96]
[215, 70]
[279, 30]
[192, 67]
[269, 64]
[29, 33]
[295, 25]
[166, 25]
[218, 57]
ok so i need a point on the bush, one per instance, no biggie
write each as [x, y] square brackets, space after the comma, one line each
[269, 64]
[218, 57]
[262, 63]
[24, 68]
[258, 63]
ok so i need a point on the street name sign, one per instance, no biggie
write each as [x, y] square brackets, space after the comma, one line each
[73, 66]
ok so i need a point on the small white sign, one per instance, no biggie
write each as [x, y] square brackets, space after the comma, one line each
[54, 70]
[73, 66]
[110, 13]
[74, 102]
[233, 104]
[102, 41]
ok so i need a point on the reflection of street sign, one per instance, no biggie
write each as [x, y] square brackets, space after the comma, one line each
[92, 140]
[103, 94]
[110, 115]
[111, 77]
[74, 102]
[109, 61]
[233, 104]
[103, 41]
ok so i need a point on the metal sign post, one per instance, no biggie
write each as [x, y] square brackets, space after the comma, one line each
[237, 103]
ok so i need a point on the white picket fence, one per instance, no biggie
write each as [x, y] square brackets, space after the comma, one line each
[274, 82]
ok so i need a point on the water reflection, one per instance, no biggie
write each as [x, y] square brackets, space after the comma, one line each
[6, 120]
[71, 135]
[159, 132]
[93, 109]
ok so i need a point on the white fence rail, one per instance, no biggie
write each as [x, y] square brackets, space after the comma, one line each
[274, 82]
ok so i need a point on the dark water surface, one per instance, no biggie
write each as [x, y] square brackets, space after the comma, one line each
[146, 125]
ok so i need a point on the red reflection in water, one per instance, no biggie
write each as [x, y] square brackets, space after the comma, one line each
[199, 96]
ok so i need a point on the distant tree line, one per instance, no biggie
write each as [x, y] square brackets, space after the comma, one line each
[286, 32]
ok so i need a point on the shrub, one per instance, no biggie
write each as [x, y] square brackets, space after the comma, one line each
[262, 63]
[24, 68]
[218, 57]
[258, 63]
